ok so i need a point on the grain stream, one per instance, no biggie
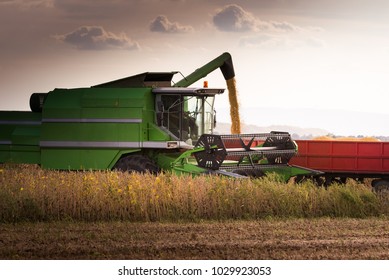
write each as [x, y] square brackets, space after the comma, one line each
[234, 106]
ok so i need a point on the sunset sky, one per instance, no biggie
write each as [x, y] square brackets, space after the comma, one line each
[321, 63]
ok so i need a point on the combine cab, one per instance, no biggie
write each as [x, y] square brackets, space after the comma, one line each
[143, 123]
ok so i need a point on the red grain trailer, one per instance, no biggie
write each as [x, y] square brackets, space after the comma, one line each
[340, 160]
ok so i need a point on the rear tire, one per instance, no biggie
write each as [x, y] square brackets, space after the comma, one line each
[136, 163]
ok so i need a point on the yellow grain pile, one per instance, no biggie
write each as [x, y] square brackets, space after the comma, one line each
[234, 106]
[329, 138]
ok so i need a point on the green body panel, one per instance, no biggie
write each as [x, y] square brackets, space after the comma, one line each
[156, 134]
[19, 137]
[85, 128]
[98, 103]
[171, 162]
[89, 128]
[20, 154]
[96, 132]
[286, 172]
[78, 159]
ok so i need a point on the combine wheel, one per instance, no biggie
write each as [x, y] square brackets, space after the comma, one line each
[380, 185]
[136, 163]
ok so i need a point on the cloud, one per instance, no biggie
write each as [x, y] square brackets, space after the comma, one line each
[233, 18]
[96, 38]
[162, 24]
[283, 26]
[272, 35]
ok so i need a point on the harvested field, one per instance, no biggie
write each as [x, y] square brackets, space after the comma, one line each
[310, 239]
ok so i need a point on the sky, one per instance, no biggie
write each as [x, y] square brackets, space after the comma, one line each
[322, 63]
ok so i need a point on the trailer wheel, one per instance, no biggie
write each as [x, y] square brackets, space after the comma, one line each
[136, 163]
[380, 185]
[301, 179]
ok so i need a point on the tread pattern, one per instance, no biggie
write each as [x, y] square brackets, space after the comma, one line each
[136, 163]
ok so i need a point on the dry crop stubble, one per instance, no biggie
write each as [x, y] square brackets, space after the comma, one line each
[29, 193]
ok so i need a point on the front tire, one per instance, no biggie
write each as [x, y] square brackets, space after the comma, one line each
[136, 163]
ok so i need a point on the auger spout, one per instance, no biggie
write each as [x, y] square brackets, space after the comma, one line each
[224, 62]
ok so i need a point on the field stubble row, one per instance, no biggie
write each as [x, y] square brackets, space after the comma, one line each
[29, 193]
[321, 238]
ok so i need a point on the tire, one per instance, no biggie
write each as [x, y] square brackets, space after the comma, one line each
[301, 179]
[136, 163]
[380, 185]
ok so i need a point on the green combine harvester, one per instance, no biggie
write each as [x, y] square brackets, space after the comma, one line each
[142, 123]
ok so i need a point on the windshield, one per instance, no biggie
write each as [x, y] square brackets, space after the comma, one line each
[186, 117]
[200, 110]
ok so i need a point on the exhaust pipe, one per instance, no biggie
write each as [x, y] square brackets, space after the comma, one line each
[36, 102]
